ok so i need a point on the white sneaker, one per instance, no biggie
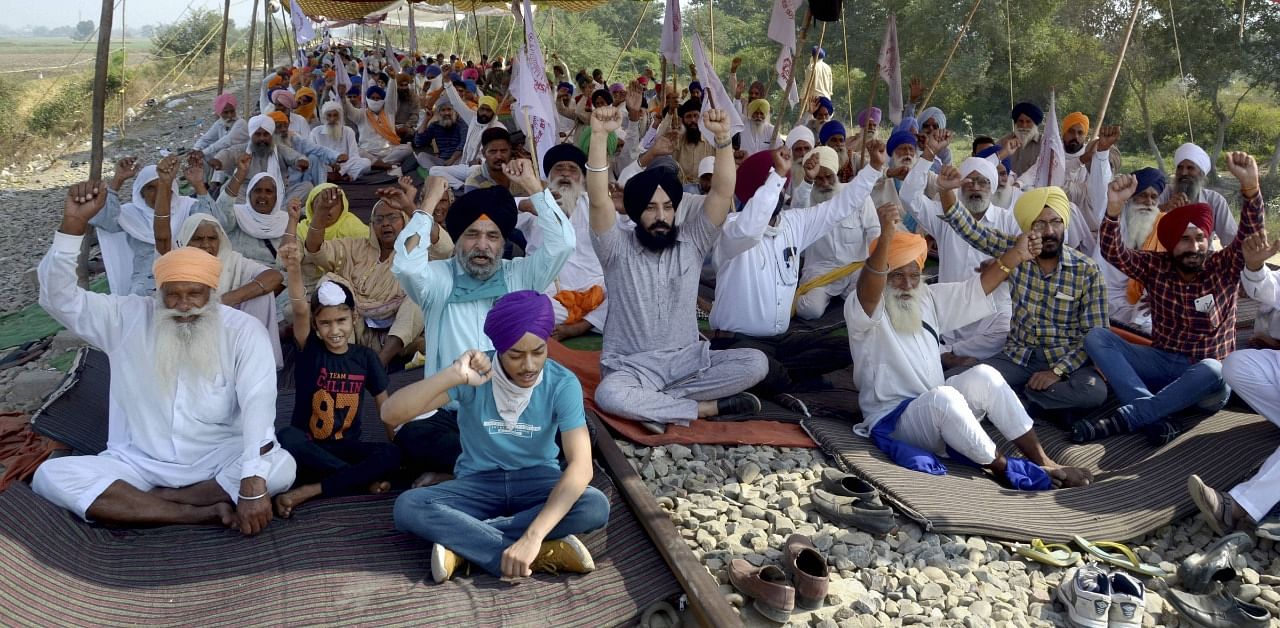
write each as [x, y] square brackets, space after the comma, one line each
[1128, 599]
[1086, 592]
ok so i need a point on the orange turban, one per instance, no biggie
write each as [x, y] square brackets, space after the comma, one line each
[275, 81]
[280, 118]
[1074, 118]
[905, 248]
[187, 263]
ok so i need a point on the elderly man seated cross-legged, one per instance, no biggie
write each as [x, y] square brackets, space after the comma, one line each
[911, 412]
[193, 394]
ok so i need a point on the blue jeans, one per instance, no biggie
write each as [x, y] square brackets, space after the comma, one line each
[1135, 370]
[478, 516]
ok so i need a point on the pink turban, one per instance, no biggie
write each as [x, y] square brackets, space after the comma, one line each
[752, 174]
[222, 101]
[284, 98]
[518, 313]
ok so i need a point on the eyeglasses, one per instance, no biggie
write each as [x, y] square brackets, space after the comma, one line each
[977, 182]
[386, 218]
[1041, 225]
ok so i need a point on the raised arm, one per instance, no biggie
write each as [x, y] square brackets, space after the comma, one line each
[604, 120]
[1136, 264]
[815, 222]
[725, 177]
[160, 223]
[291, 256]
[92, 316]
[1260, 282]
[1245, 169]
[472, 368]
[875, 272]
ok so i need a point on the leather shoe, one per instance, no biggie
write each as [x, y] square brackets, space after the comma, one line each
[838, 482]
[767, 586]
[1219, 610]
[1199, 573]
[851, 511]
[808, 571]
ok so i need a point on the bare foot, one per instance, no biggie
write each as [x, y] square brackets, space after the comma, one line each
[378, 488]
[1068, 477]
[288, 500]
[431, 478]
[223, 513]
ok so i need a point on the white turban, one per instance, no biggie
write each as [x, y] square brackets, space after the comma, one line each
[982, 167]
[331, 106]
[263, 122]
[799, 133]
[1194, 154]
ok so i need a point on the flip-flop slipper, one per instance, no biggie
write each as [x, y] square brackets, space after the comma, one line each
[25, 353]
[1055, 554]
[1126, 559]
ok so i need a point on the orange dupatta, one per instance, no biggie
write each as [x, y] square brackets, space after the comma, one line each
[1134, 290]
[382, 124]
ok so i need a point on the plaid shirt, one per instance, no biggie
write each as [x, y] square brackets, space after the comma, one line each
[1051, 312]
[1177, 326]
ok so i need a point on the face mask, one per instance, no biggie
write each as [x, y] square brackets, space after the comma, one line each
[375, 105]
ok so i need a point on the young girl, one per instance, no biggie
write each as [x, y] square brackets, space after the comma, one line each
[331, 374]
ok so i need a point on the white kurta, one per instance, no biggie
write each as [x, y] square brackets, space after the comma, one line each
[582, 270]
[199, 432]
[1255, 375]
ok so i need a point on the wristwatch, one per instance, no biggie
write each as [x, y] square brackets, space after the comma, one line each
[1059, 371]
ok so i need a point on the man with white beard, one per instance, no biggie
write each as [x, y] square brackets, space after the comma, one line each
[957, 259]
[757, 135]
[337, 136]
[267, 155]
[799, 141]
[1192, 165]
[193, 394]
[226, 130]
[577, 294]
[758, 269]
[1026, 127]
[379, 142]
[912, 413]
[440, 137]
[829, 269]
[1006, 193]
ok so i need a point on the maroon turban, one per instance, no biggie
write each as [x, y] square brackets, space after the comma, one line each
[518, 313]
[752, 174]
[1171, 227]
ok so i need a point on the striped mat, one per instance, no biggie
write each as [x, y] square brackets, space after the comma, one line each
[1136, 488]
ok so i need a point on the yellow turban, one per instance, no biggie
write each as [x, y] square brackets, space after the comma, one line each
[1074, 118]
[758, 104]
[490, 102]
[187, 263]
[905, 248]
[1032, 203]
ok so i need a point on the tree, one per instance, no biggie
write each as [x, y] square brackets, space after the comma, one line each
[194, 35]
[84, 30]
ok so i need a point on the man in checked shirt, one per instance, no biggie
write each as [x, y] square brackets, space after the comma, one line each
[1193, 314]
[1056, 301]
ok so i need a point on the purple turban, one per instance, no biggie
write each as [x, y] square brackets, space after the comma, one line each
[283, 98]
[873, 112]
[518, 313]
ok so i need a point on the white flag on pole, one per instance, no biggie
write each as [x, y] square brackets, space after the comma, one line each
[891, 69]
[714, 95]
[782, 24]
[786, 74]
[672, 33]
[302, 29]
[531, 90]
[1051, 166]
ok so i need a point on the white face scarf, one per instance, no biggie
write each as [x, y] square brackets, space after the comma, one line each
[511, 398]
[136, 217]
[262, 226]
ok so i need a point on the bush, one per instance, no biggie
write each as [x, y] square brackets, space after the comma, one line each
[11, 129]
[64, 111]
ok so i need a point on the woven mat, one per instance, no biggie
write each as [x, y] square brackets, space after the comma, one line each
[1136, 488]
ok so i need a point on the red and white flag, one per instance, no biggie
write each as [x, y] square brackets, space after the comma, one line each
[531, 90]
[672, 33]
[1051, 166]
[782, 24]
[786, 74]
[714, 95]
[891, 69]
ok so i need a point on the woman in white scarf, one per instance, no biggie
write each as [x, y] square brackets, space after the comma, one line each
[127, 235]
[255, 222]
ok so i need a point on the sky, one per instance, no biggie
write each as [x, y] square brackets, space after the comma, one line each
[19, 13]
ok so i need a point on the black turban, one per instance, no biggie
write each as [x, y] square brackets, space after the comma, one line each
[495, 202]
[602, 93]
[693, 104]
[563, 152]
[639, 191]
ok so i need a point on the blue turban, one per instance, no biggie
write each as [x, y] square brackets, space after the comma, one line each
[899, 138]
[433, 71]
[908, 124]
[821, 52]
[1149, 178]
[695, 85]
[566, 85]
[825, 103]
[356, 79]
[454, 77]
[936, 114]
[382, 93]
[830, 129]
[1028, 109]
[471, 86]
[992, 150]
[354, 91]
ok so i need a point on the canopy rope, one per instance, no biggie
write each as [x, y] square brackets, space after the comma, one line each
[1008, 39]
[1182, 75]
[959, 36]
[848, 83]
[630, 40]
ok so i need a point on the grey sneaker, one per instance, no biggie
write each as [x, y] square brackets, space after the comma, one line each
[1128, 600]
[1086, 592]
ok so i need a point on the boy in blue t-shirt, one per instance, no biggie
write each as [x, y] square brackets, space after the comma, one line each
[511, 509]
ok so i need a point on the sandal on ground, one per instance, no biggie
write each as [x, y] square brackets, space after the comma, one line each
[24, 353]
[1055, 554]
[1125, 559]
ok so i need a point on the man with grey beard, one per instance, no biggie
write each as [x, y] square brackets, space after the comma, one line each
[440, 137]
[455, 294]
[268, 155]
[1026, 128]
[911, 412]
[193, 394]
[338, 137]
[1192, 165]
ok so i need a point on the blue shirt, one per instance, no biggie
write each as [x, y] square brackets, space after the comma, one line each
[487, 444]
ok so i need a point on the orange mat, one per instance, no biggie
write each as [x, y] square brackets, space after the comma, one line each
[586, 364]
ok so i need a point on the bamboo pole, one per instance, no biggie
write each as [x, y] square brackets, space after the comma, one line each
[711, 12]
[479, 33]
[268, 50]
[630, 40]
[248, 65]
[100, 68]
[124, 64]
[1115, 72]
[871, 101]
[959, 36]
[848, 83]
[222, 48]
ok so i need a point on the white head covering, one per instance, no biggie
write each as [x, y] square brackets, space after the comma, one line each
[707, 165]
[237, 270]
[262, 226]
[331, 105]
[136, 217]
[982, 167]
[265, 123]
[1194, 154]
[800, 133]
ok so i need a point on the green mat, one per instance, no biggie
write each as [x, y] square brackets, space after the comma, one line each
[33, 323]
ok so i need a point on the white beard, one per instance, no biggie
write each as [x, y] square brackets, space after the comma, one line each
[757, 128]
[190, 349]
[334, 131]
[1138, 223]
[1026, 136]
[905, 161]
[818, 196]
[570, 192]
[904, 314]
[975, 206]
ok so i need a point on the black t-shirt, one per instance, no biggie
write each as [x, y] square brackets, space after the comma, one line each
[329, 385]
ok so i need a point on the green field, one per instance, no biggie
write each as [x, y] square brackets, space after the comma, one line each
[54, 56]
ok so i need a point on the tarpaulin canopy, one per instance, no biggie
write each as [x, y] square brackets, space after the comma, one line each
[564, 5]
[344, 9]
